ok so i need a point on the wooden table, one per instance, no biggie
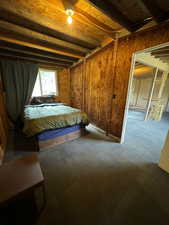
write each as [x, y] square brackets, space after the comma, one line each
[20, 176]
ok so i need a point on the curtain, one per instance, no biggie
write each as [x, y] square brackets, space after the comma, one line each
[19, 80]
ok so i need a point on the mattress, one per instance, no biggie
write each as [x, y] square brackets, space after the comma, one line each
[39, 118]
[52, 138]
[46, 135]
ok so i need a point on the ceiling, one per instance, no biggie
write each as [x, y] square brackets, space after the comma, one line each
[38, 31]
[162, 54]
[143, 71]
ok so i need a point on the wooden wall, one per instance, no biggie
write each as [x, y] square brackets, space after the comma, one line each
[141, 89]
[126, 47]
[140, 92]
[77, 82]
[98, 86]
[103, 78]
[91, 86]
[63, 77]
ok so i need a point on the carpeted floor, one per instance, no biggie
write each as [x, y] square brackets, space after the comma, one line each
[93, 181]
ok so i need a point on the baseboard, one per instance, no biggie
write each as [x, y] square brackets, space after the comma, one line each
[97, 128]
[114, 138]
[117, 139]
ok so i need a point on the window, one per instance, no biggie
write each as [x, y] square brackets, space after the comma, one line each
[46, 83]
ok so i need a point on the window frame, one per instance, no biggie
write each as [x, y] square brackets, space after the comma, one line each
[41, 69]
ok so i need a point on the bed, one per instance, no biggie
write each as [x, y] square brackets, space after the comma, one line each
[53, 123]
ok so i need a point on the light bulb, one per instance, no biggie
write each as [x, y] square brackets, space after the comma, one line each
[69, 20]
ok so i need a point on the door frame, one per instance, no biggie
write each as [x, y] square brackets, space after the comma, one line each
[130, 84]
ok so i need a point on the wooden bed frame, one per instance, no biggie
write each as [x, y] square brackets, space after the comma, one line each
[50, 143]
[50, 138]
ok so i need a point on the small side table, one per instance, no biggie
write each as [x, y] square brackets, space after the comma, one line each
[19, 177]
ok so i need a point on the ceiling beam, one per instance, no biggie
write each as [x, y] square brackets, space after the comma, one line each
[50, 66]
[19, 54]
[36, 56]
[36, 46]
[149, 60]
[84, 17]
[158, 14]
[36, 52]
[31, 60]
[165, 60]
[89, 19]
[31, 54]
[28, 35]
[162, 52]
[112, 12]
[18, 14]
[160, 55]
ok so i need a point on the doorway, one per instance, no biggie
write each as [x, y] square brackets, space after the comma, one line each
[147, 106]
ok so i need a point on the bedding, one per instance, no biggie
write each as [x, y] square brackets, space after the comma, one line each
[39, 118]
[43, 99]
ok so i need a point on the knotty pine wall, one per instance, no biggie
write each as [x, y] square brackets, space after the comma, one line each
[92, 84]
[126, 47]
[141, 89]
[76, 85]
[140, 92]
[63, 77]
[95, 80]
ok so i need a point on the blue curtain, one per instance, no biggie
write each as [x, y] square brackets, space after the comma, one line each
[19, 80]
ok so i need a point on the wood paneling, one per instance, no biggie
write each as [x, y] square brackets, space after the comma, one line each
[140, 92]
[35, 51]
[77, 79]
[20, 33]
[43, 25]
[45, 17]
[103, 78]
[91, 86]
[64, 86]
[126, 47]
[141, 89]
[98, 86]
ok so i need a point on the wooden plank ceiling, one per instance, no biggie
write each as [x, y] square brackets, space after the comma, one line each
[143, 71]
[38, 30]
[162, 54]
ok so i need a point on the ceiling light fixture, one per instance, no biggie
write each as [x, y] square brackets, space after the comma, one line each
[70, 13]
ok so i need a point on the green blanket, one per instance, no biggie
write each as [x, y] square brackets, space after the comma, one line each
[47, 117]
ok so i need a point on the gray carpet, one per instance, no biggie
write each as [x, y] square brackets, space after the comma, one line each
[93, 181]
